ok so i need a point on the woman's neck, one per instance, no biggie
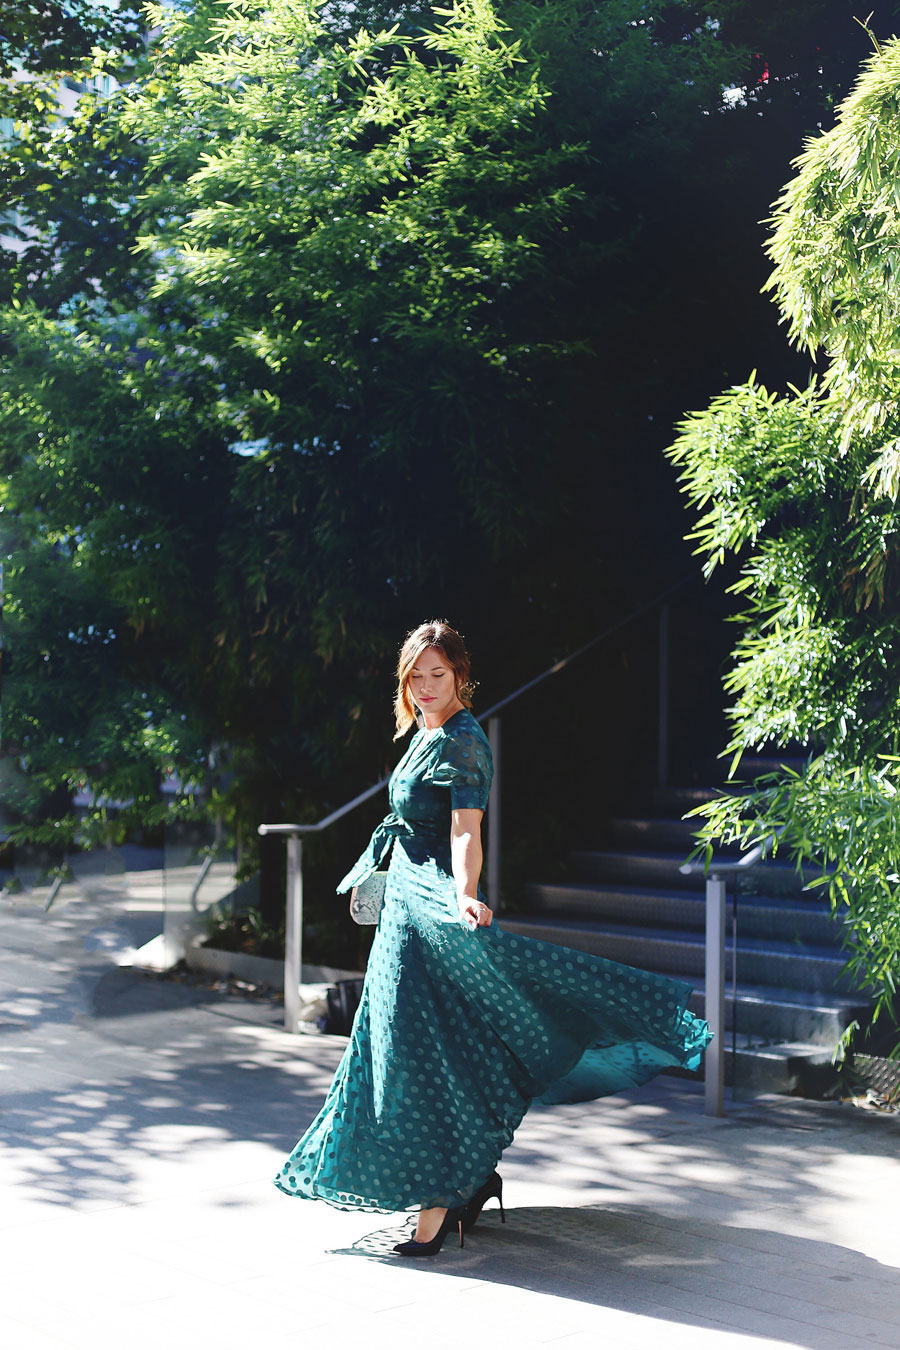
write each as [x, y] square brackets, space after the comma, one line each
[434, 721]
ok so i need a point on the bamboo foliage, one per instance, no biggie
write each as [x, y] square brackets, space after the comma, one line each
[802, 489]
[835, 248]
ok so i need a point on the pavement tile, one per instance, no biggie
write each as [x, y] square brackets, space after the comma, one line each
[636, 1333]
[21, 1336]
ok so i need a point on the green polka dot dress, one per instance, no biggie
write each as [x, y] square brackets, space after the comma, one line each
[458, 1031]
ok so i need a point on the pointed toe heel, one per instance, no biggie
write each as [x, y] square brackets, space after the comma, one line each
[452, 1219]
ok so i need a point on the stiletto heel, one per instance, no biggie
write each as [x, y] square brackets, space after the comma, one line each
[452, 1219]
[490, 1189]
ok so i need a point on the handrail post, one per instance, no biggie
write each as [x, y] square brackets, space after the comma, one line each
[293, 935]
[714, 1060]
[493, 820]
[662, 749]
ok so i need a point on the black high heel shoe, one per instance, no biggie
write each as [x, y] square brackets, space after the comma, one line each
[452, 1219]
[490, 1188]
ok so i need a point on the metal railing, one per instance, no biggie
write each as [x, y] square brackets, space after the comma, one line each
[293, 952]
[714, 972]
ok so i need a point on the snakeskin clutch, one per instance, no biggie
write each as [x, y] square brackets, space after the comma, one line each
[367, 898]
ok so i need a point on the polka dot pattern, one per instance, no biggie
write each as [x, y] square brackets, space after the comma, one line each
[458, 1031]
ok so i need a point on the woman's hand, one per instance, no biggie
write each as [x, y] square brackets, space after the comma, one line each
[465, 854]
[475, 913]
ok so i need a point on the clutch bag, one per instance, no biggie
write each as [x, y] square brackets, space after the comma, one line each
[367, 898]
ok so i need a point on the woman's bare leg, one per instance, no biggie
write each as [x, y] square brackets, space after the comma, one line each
[427, 1224]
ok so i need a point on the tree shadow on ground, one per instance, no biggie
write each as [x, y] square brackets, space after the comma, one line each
[742, 1280]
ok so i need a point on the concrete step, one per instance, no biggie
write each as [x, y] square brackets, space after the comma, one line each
[759, 960]
[753, 765]
[808, 920]
[650, 834]
[676, 801]
[768, 1015]
[652, 870]
[791, 1067]
[794, 1068]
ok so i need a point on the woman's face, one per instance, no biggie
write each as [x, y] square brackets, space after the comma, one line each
[432, 685]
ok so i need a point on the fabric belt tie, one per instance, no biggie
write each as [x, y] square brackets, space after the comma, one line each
[383, 836]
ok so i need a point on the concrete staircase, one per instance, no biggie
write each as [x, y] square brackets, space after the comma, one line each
[629, 902]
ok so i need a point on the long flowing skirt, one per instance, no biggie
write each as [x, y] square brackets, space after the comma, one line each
[456, 1033]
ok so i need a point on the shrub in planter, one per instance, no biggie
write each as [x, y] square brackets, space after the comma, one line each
[249, 933]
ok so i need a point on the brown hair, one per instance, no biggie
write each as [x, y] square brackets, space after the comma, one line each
[436, 633]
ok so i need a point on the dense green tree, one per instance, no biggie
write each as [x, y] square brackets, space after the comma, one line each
[50, 48]
[269, 453]
[804, 487]
[49, 37]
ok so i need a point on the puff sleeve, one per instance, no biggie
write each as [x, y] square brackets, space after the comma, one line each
[464, 765]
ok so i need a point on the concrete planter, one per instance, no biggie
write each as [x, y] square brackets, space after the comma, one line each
[315, 980]
[259, 969]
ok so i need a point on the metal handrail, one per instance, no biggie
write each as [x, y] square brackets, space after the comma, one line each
[714, 965]
[327, 820]
[205, 869]
[755, 855]
[601, 637]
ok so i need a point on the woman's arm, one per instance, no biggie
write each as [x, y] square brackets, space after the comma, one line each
[466, 860]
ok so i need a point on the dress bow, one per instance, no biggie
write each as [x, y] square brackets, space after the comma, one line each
[382, 837]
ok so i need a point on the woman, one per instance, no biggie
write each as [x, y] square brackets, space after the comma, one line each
[461, 1025]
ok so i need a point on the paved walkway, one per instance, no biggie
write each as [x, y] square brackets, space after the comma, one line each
[142, 1121]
